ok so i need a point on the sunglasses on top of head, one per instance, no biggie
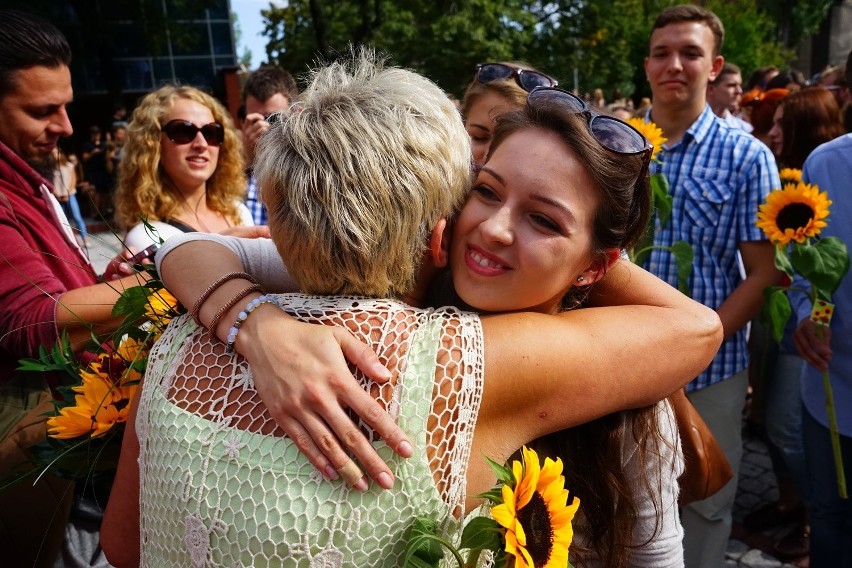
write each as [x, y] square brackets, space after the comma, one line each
[612, 133]
[527, 79]
[184, 132]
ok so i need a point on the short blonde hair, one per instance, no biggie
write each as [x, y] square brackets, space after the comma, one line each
[144, 190]
[355, 179]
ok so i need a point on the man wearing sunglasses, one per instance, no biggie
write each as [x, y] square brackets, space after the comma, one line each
[718, 176]
[268, 91]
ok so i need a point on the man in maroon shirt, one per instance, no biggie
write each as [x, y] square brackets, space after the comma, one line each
[47, 284]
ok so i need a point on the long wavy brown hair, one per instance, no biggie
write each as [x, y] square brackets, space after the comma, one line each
[145, 190]
[811, 117]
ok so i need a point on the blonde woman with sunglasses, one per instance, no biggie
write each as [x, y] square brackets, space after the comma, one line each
[182, 168]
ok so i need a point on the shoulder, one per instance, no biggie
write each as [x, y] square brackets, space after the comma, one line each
[823, 152]
[140, 236]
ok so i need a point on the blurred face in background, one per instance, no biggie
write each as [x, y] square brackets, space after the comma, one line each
[481, 119]
[776, 135]
[726, 92]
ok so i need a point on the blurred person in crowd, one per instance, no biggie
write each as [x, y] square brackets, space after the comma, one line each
[723, 95]
[760, 106]
[598, 99]
[268, 90]
[790, 79]
[496, 88]
[621, 111]
[718, 176]
[65, 191]
[803, 120]
[760, 77]
[96, 169]
[182, 168]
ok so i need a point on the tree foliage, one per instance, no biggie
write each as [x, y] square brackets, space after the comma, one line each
[602, 44]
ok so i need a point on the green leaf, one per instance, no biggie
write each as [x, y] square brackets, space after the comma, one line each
[776, 310]
[132, 303]
[662, 198]
[503, 473]
[494, 495]
[684, 255]
[482, 533]
[782, 261]
[823, 264]
[423, 548]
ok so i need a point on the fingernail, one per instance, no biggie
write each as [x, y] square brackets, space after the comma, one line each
[380, 371]
[385, 480]
[361, 485]
[331, 473]
[405, 449]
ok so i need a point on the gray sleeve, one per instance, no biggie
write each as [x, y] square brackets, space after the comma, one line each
[259, 258]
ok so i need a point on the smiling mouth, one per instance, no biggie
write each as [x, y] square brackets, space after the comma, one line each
[484, 262]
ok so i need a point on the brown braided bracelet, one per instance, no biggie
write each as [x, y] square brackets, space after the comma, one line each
[230, 304]
[215, 286]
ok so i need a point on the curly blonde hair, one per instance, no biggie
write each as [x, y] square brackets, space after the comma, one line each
[145, 190]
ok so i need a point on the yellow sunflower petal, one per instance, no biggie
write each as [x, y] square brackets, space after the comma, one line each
[651, 131]
[503, 515]
[72, 422]
[795, 213]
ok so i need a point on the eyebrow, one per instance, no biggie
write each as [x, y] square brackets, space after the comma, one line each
[537, 197]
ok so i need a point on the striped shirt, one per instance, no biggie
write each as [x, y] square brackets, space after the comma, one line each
[718, 177]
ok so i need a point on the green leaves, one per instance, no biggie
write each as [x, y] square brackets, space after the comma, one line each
[662, 198]
[684, 255]
[776, 310]
[424, 548]
[823, 264]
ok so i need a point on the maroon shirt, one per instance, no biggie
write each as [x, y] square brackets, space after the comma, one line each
[38, 263]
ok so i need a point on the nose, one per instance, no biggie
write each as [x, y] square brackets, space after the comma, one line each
[497, 228]
[675, 65]
[61, 124]
[199, 140]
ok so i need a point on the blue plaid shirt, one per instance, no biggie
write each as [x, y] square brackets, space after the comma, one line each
[718, 177]
[254, 204]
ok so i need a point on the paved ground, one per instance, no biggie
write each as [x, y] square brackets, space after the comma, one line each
[756, 484]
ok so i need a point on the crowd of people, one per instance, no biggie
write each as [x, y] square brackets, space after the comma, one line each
[386, 287]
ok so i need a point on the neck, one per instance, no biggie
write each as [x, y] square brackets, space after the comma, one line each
[675, 121]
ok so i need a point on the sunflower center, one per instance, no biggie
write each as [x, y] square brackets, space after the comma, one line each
[794, 216]
[535, 518]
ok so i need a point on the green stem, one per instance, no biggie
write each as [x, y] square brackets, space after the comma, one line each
[832, 416]
[832, 426]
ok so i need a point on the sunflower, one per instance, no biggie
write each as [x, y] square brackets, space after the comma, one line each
[161, 307]
[794, 213]
[651, 131]
[535, 513]
[790, 175]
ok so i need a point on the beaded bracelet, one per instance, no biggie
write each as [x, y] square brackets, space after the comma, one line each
[215, 286]
[214, 323]
[245, 313]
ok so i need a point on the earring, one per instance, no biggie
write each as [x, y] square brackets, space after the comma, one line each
[580, 278]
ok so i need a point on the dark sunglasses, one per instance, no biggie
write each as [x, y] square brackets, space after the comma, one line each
[612, 133]
[184, 132]
[527, 79]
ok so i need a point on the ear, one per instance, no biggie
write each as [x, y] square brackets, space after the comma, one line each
[599, 267]
[439, 243]
[716, 68]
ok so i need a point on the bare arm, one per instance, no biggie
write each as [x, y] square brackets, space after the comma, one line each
[745, 301]
[88, 310]
[304, 380]
[120, 529]
[546, 373]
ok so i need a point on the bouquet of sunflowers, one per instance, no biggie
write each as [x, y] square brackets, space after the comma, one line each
[529, 524]
[85, 429]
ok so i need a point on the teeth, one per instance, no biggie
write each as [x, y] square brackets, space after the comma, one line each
[482, 261]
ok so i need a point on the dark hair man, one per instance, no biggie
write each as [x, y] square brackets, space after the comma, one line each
[268, 90]
[718, 177]
[46, 282]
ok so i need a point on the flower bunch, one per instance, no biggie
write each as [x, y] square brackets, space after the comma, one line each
[529, 524]
[662, 202]
[793, 218]
[85, 430]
